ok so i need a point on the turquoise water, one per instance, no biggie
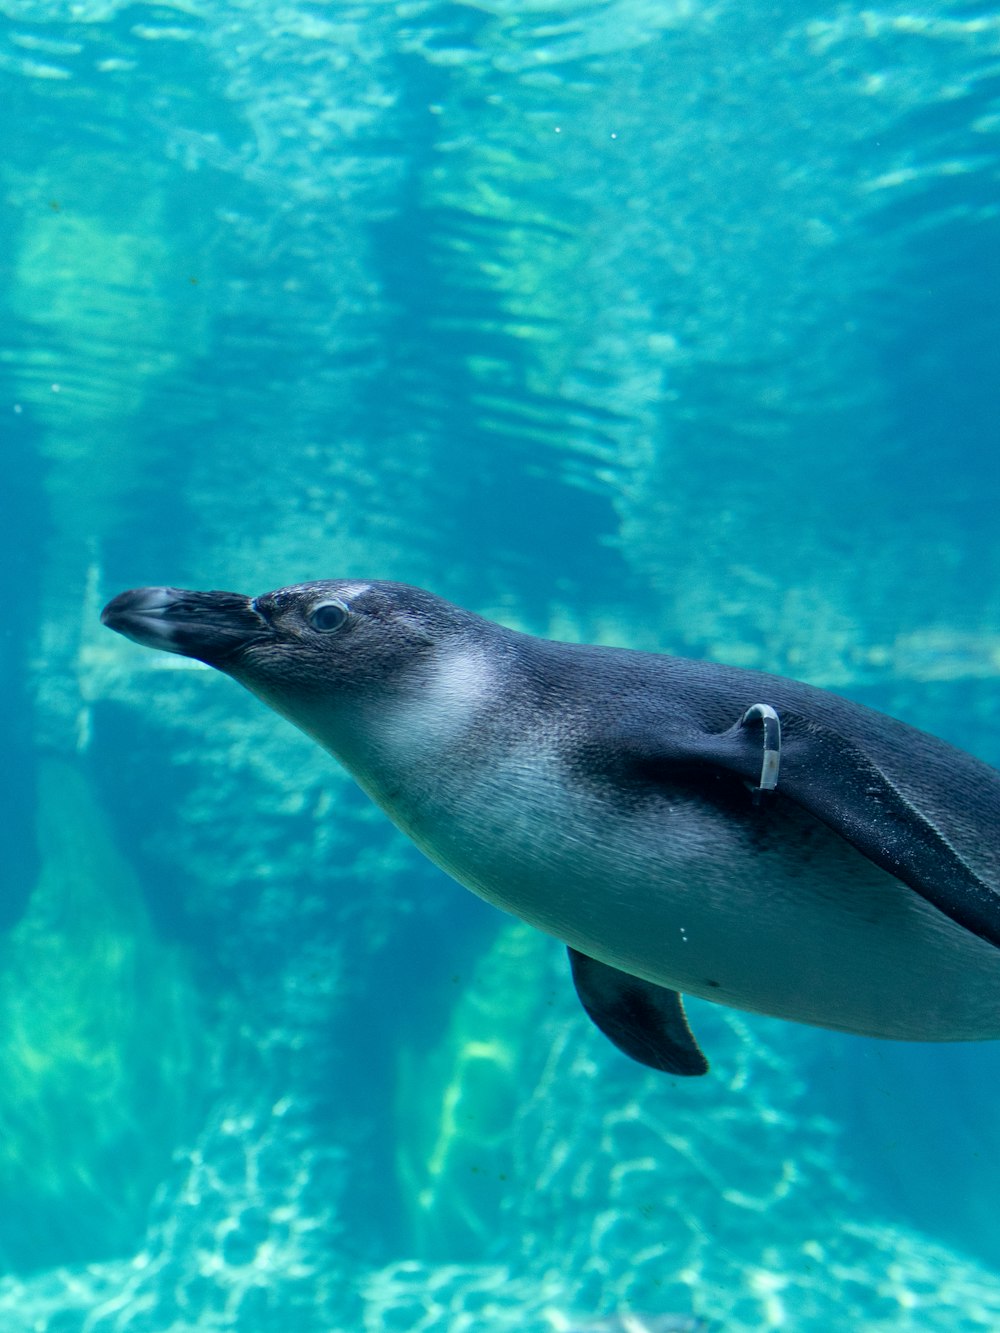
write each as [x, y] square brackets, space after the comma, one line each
[665, 323]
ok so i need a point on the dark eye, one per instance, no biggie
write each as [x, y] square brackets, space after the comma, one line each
[327, 616]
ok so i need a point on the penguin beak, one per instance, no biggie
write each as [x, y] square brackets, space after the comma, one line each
[209, 626]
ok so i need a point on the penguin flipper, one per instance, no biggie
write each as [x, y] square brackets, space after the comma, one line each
[841, 782]
[645, 1021]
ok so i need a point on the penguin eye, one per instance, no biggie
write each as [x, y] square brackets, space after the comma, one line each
[327, 616]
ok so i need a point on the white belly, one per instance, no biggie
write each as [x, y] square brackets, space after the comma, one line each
[804, 928]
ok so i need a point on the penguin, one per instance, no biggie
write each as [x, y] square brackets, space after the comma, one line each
[681, 826]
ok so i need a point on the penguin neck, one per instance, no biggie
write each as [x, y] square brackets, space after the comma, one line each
[420, 726]
[407, 740]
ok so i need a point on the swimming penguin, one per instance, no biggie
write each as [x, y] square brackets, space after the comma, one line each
[680, 826]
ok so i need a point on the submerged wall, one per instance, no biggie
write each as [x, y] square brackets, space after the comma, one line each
[660, 325]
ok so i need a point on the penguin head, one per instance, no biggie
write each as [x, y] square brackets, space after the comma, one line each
[349, 638]
[342, 659]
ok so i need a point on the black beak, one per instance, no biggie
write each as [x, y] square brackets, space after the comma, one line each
[210, 626]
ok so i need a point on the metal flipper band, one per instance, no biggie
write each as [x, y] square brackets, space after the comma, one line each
[772, 745]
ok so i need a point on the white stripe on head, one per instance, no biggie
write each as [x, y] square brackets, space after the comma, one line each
[350, 590]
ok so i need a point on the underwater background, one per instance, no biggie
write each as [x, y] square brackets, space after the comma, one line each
[665, 323]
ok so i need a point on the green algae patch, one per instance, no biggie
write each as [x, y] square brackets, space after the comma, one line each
[98, 285]
[456, 1103]
[98, 1037]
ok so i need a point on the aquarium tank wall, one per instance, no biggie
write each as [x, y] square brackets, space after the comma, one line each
[668, 324]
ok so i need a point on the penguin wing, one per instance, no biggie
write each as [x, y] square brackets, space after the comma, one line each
[861, 791]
